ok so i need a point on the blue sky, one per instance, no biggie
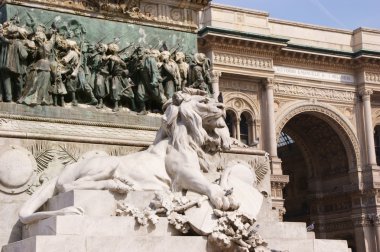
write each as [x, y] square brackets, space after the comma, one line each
[344, 14]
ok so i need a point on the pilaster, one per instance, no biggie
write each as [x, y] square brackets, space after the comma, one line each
[215, 75]
[365, 94]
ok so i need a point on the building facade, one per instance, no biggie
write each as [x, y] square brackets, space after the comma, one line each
[310, 96]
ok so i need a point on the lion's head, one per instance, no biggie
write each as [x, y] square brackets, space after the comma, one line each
[191, 116]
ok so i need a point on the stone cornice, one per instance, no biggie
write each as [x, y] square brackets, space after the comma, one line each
[310, 26]
[242, 35]
[170, 14]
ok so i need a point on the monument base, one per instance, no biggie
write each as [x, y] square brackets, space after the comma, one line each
[100, 230]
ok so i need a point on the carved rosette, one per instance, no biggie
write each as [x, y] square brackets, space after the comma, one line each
[17, 169]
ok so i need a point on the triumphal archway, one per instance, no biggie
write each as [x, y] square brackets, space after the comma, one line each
[312, 104]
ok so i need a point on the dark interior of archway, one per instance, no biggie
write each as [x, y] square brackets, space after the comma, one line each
[244, 138]
[316, 161]
[230, 121]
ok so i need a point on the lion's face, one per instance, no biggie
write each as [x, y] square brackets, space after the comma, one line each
[213, 119]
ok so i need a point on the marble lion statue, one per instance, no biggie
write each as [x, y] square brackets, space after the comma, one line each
[192, 125]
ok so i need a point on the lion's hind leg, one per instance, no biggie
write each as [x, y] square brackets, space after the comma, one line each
[113, 185]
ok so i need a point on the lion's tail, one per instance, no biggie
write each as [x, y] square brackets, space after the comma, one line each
[27, 213]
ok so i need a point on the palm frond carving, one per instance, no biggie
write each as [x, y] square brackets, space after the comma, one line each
[43, 154]
[67, 154]
[261, 167]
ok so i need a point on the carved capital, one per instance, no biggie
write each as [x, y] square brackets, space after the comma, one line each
[215, 75]
[269, 83]
[365, 93]
[362, 221]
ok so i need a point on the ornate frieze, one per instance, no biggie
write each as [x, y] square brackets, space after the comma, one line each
[372, 77]
[230, 59]
[313, 92]
[176, 13]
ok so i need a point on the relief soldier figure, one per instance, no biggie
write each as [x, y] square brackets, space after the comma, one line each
[100, 69]
[138, 76]
[39, 74]
[58, 62]
[13, 56]
[72, 63]
[199, 73]
[183, 69]
[153, 79]
[89, 85]
[171, 79]
[117, 68]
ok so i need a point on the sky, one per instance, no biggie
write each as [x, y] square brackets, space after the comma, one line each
[342, 14]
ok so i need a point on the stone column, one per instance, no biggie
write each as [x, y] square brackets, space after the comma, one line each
[364, 237]
[271, 132]
[251, 132]
[376, 223]
[368, 126]
[215, 75]
[238, 129]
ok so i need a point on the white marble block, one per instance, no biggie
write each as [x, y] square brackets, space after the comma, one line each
[65, 243]
[94, 203]
[97, 226]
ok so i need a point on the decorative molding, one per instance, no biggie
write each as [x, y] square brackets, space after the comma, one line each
[168, 13]
[237, 85]
[312, 61]
[372, 77]
[238, 60]
[313, 92]
[312, 74]
[4, 118]
[74, 132]
[240, 102]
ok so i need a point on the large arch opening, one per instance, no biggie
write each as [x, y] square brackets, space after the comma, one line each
[314, 154]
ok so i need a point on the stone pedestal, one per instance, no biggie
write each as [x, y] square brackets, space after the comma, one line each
[100, 230]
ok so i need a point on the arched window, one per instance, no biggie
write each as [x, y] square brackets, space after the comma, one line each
[244, 129]
[377, 143]
[231, 123]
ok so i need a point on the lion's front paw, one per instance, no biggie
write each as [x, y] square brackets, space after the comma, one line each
[221, 200]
